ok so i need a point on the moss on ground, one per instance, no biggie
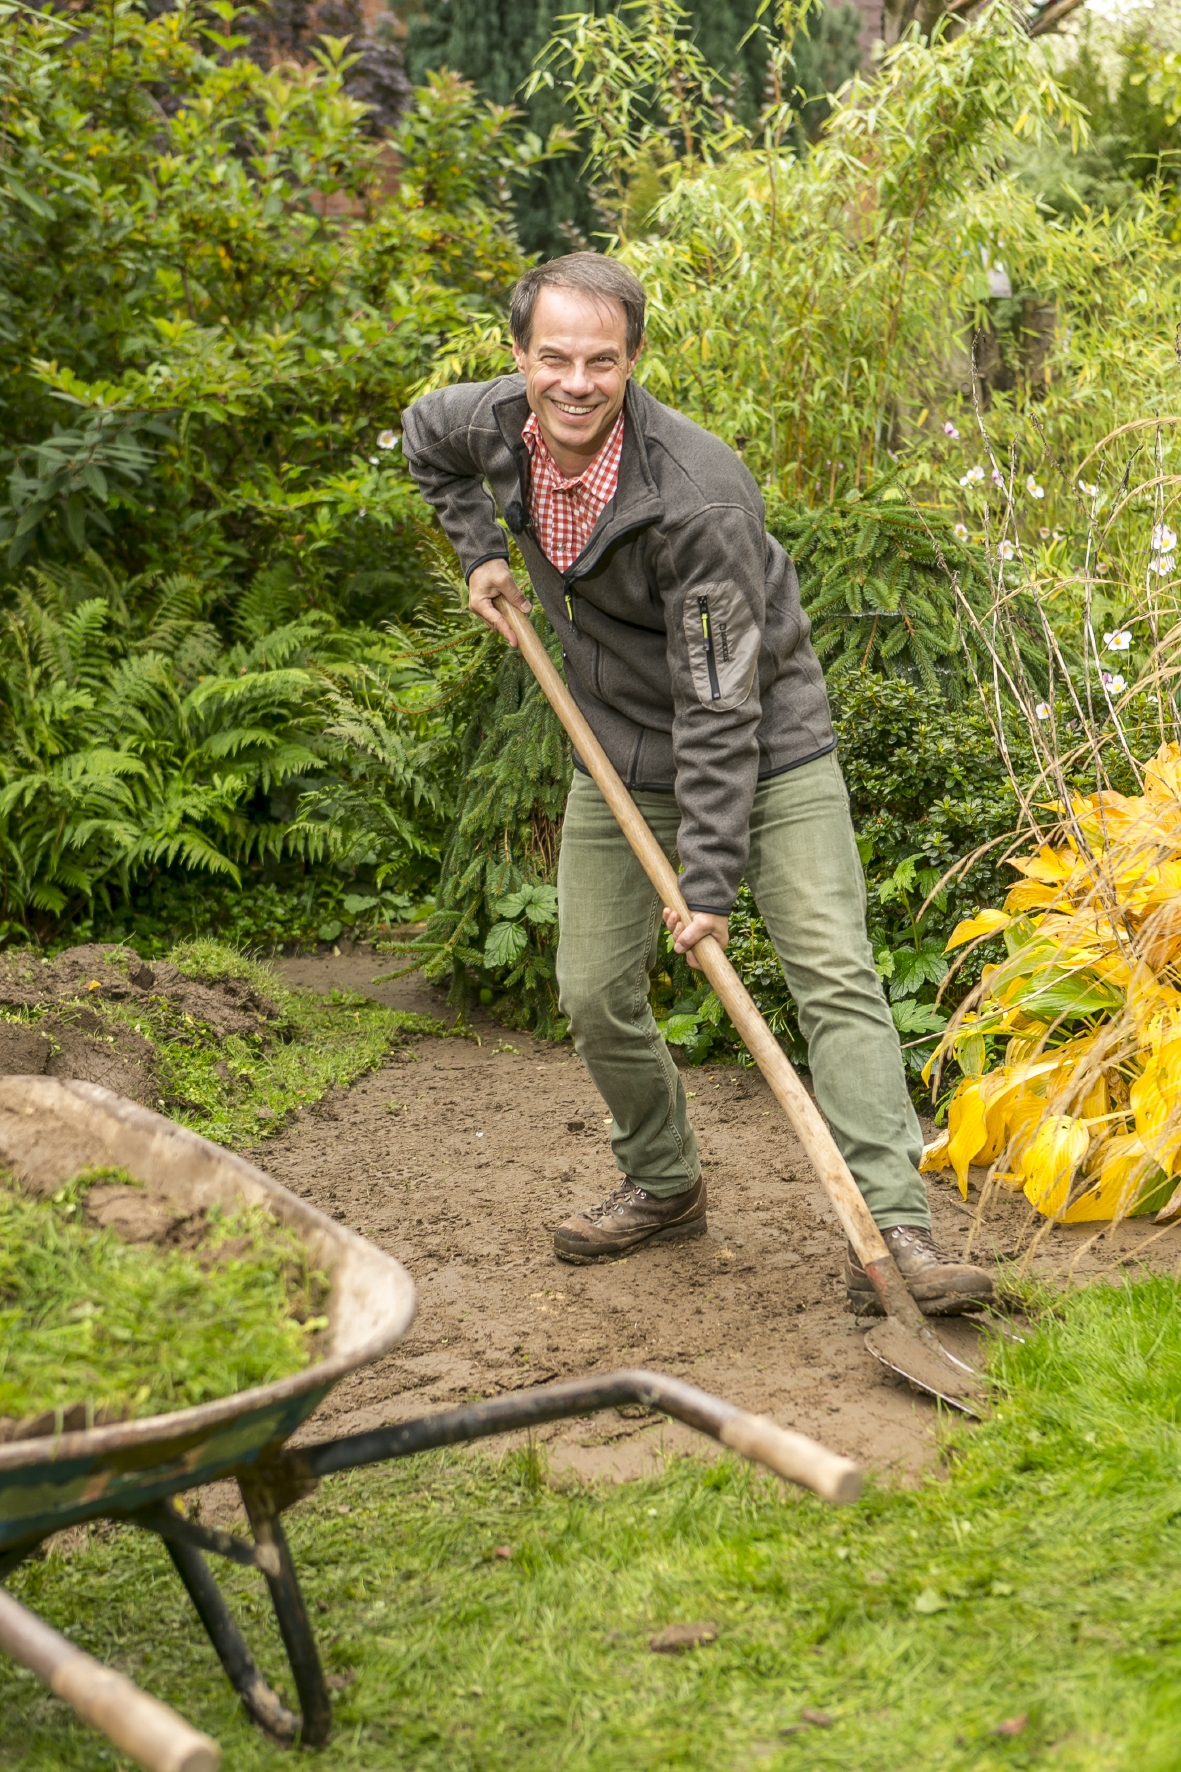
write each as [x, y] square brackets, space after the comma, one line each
[239, 1088]
[1036, 1577]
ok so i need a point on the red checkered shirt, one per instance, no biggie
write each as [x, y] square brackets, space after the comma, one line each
[564, 512]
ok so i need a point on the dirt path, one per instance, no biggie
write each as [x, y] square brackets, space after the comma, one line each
[461, 1158]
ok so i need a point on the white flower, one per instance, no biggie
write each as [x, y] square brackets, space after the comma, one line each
[961, 532]
[998, 479]
[1119, 640]
[1163, 564]
[1091, 491]
[1163, 539]
[1042, 710]
[373, 460]
[949, 430]
[972, 476]
[1033, 489]
[1045, 534]
[387, 439]
[1006, 550]
[1056, 534]
[1112, 682]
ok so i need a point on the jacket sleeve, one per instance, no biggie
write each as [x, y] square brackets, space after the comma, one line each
[440, 450]
[714, 593]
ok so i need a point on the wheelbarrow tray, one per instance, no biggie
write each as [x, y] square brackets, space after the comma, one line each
[49, 1130]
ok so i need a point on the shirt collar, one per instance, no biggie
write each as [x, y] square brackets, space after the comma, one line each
[536, 444]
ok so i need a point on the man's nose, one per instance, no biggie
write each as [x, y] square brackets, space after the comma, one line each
[578, 380]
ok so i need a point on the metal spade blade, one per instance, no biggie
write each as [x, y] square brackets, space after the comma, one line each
[916, 1353]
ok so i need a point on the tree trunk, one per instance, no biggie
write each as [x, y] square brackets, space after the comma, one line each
[899, 15]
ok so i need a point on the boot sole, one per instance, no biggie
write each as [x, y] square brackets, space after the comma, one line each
[953, 1304]
[691, 1227]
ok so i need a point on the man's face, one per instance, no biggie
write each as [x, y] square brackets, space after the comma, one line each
[576, 371]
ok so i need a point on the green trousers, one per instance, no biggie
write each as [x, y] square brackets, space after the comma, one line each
[805, 873]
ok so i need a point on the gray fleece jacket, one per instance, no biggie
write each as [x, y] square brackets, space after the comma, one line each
[683, 638]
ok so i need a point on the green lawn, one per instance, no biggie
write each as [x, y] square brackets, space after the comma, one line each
[1036, 1577]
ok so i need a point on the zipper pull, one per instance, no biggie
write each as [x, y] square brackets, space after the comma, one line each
[569, 606]
[715, 688]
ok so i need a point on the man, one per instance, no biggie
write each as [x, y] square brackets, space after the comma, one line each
[686, 648]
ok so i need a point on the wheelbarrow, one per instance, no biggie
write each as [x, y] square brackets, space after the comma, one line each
[133, 1471]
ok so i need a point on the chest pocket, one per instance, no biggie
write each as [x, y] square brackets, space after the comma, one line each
[723, 641]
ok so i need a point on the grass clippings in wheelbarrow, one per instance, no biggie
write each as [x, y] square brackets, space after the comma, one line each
[95, 1327]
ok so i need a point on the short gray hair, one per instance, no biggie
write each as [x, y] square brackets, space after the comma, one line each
[603, 279]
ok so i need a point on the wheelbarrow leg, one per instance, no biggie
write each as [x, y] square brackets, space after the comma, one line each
[262, 1510]
[264, 1705]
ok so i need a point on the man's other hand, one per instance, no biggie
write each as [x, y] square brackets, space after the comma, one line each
[687, 935]
[493, 579]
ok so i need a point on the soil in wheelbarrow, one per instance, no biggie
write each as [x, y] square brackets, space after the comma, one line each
[460, 1158]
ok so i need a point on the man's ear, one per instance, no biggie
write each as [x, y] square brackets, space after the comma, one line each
[518, 356]
[639, 353]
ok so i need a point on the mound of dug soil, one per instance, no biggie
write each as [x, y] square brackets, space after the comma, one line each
[72, 1038]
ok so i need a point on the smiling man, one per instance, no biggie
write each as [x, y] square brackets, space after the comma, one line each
[686, 648]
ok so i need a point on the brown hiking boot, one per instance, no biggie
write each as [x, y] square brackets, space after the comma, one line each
[941, 1284]
[627, 1218]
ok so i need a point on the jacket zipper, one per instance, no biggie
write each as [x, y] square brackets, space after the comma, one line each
[715, 688]
[569, 606]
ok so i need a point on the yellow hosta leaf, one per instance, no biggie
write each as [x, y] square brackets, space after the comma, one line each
[1148, 1104]
[1030, 896]
[1096, 1102]
[1162, 778]
[1126, 1165]
[1049, 865]
[935, 1155]
[1113, 968]
[967, 1132]
[1048, 1164]
[983, 923]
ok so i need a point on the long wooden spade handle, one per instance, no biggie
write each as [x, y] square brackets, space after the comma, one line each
[760, 1042]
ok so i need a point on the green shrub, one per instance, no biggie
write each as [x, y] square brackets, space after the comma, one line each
[217, 294]
[927, 788]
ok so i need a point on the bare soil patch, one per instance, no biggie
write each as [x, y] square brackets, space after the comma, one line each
[69, 1038]
[460, 1158]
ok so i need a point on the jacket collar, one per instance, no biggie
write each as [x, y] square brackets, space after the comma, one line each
[637, 501]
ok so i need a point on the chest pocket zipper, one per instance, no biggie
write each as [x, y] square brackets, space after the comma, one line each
[715, 688]
[569, 606]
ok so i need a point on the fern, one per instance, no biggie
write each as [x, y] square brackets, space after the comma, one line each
[132, 740]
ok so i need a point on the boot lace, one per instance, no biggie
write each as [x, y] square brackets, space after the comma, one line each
[625, 1195]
